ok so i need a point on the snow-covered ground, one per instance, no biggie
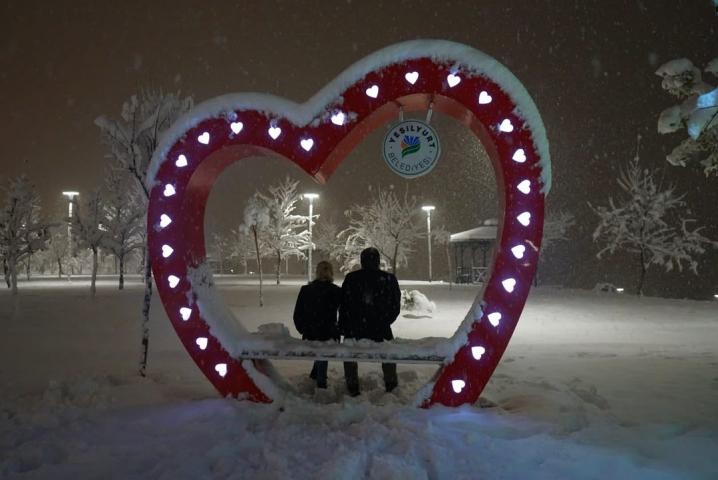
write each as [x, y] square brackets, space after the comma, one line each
[593, 386]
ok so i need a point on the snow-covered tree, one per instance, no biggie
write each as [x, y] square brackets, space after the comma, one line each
[22, 232]
[123, 218]
[649, 220]
[241, 246]
[90, 230]
[256, 219]
[324, 237]
[388, 223]
[132, 139]
[286, 233]
[220, 247]
[58, 249]
[697, 113]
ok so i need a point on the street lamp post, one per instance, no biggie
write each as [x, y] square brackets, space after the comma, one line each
[70, 196]
[428, 209]
[311, 197]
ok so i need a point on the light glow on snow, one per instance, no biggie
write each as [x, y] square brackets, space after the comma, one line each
[185, 313]
[506, 126]
[620, 290]
[477, 352]
[274, 132]
[221, 368]
[519, 156]
[202, 343]
[452, 80]
[338, 119]
[173, 281]
[524, 219]
[307, 143]
[373, 91]
[181, 161]
[236, 127]
[524, 187]
[169, 190]
[204, 138]
[167, 251]
[458, 385]
[485, 98]
[518, 251]
[165, 220]
[495, 317]
[412, 77]
[509, 285]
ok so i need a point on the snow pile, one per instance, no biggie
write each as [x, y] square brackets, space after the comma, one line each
[416, 302]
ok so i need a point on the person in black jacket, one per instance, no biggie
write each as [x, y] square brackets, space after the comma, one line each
[371, 301]
[315, 314]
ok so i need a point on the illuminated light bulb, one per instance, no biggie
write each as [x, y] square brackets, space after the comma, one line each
[185, 312]
[167, 251]
[181, 161]
[485, 98]
[338, 118]
[506, 126]
[165, 220]
[495, 317]
[458, 385]
[274, 132]
[169, 190]
[620, 290]
[221, 368]
[202, 344]
[307, 144]
[204, 138]
[519, 156]
[518, 251]
[173, 281]
[452, 80]
[524, 187]
[524, 219]
[477, 352]
[509, 285]
[412, 77]
[236, 127]
[372, 91]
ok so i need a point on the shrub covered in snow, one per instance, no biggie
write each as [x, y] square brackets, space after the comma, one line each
[415, 301]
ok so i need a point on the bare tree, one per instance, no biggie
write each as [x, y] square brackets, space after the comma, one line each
[641, 223]
[286, 233]
[22, 233]
[220, 248]
[697, 113]
[240, 248]
[91, 232]
[132, 139]
[58, 249]
[388, 223]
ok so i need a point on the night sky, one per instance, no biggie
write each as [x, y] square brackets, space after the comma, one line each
[588, 65]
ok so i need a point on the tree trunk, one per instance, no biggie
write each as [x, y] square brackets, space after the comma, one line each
[27, 268]
[393, 259]
[448, 262]
[59, 268]
[147, 301]
[94, 271]
[279, 265]
[121, 260]
[259, 264]
[642, 277]
[13, 275]
[246, 267]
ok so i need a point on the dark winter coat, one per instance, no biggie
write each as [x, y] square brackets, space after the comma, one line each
[371, 301]
[315, 314]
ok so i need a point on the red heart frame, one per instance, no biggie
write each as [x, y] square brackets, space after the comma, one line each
[204, 142]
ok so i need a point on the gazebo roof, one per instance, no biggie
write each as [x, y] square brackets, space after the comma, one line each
[484, 233]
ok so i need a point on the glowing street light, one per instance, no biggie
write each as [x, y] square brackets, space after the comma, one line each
[428, 209]
[311, 197]
[70, 196]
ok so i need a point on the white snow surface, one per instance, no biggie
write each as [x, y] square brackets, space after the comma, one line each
[593, 386]
[465, 59]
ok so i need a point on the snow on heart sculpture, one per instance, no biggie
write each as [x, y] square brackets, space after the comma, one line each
[454, 79]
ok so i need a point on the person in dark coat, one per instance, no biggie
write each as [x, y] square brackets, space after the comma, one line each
[315, 314]
[371, 301]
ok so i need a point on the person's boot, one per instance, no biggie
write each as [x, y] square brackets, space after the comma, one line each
[390, 386]
[353, 390]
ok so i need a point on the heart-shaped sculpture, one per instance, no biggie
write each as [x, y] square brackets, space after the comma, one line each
[414, 76]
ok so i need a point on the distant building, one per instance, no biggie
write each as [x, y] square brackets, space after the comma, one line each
[470, 267]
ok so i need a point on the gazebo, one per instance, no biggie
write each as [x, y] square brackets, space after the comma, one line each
[466, 244]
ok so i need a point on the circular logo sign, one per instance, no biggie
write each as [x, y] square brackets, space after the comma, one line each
[411, 148]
